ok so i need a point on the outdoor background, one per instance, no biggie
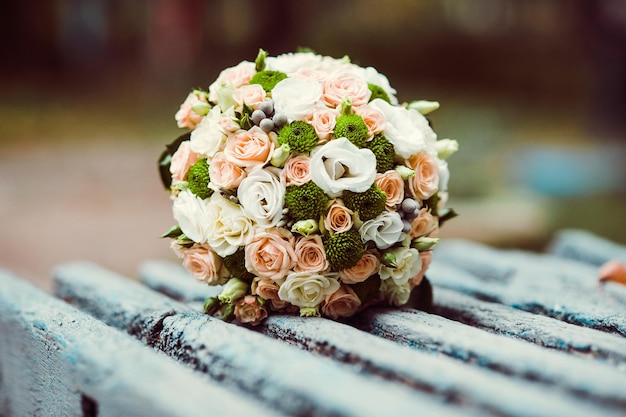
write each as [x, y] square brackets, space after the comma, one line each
[534, 91]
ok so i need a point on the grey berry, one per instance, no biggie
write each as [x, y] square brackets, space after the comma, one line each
[257, 116]
[280, 119]
[409, 205]
[267, 125]
[267, 107]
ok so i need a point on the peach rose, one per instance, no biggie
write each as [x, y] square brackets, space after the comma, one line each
[203, 264]
[310, 254]
[427, 258]
[182, 160]
[323, 121]
[366, 267]
[225, 174]
[248, 310]
[251, 95]
[426, 179]
[247, 148]
[345, 85]
[342, 303]
[186, 117]
[392, 185]
[296, 171]
[338, 217]
[266, 288]
[374, 119]
[270, 253]
[233, 77]
[423, 224]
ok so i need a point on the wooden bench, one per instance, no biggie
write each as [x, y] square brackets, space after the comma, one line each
[511, 333]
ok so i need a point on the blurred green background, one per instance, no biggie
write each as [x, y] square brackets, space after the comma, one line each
[534, 91]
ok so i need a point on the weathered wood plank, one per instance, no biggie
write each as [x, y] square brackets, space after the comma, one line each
[284, 377]
[57, 361]
[541, 330]
[436, 374]
[541, 284]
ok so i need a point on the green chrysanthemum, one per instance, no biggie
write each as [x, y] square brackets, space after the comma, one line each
[268, 79]
[198, 179]
[307, 201]
[352, 127]
[378, 92]
[368, 204]
[299, 135]
[383, 151]
[344, 250]
[236, 265]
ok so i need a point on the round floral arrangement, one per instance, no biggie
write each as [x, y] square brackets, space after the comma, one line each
[303, 186]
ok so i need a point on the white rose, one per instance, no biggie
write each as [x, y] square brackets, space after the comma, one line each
[384, 230]
[227, 224]
[444, 175]
[406, 129]
[409, 264]
[339, 165]
[396, 295]
[193, 215]
[290, 63]
[296, 97]
[261, 195]
[307, 289]
[209, 138]
[372, 76]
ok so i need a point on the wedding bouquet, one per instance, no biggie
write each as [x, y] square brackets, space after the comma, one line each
[303, 186]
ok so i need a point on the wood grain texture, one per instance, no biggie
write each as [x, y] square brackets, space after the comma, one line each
[282, 376]
[58, 361]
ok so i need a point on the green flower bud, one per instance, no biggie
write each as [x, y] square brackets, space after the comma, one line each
[309, 312]
[404, 171]
[424, 243]
[346, 106]
[446, 147]
[280, 155]
[299, 135]
[201, 109]
[307, 201]
[198, 179]
[229, 312]
[211, 305]
[233, 290]
[268, 79]
[389, 259]
[423, 106]
[353, 128]
[305, 227]
[259, 62]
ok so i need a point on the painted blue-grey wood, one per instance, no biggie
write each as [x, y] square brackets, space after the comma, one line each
[544, 284]
[58, 361]
[284, 377]
[541, 330]
[586, 247]
[426, 332]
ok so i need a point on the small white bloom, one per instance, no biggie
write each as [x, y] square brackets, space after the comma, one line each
[261, 195]
[296, 98]
[209, 138]
[444, 175]
[384, 230]
[396, 295]
[227, 224]
[406, 129]
[408, 264]
[424, 106]
[193, 216]
[307, 289]
[339, 165]
[446, 147]
[290, 63]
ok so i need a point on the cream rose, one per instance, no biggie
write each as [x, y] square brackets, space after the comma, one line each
[193, 215]
[227, 224]
[392, 185]
[423, 224]
[374, 119]
[406, 129]
[296, 98]
[208, 138]
[251, 95]
[247, 148]
[396, 295]
[307, 289]
[270, 253]
[262, 196]
[367, 266]
[384, 230]
[292, 62]
[310, 254]
[343, 85]
[339, 165]
[338, 217]
[248, 310]
[425, 182]
[323, 121]
[182, 160]
[426, 257]
[296, 171]
[203, 264]
[225, 174]
[408, 264]
[266, 288]
[342, 303]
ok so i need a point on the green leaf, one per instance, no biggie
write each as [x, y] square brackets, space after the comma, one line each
[432, 204]
[166, 159]
[174, 232]
[447, 214]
